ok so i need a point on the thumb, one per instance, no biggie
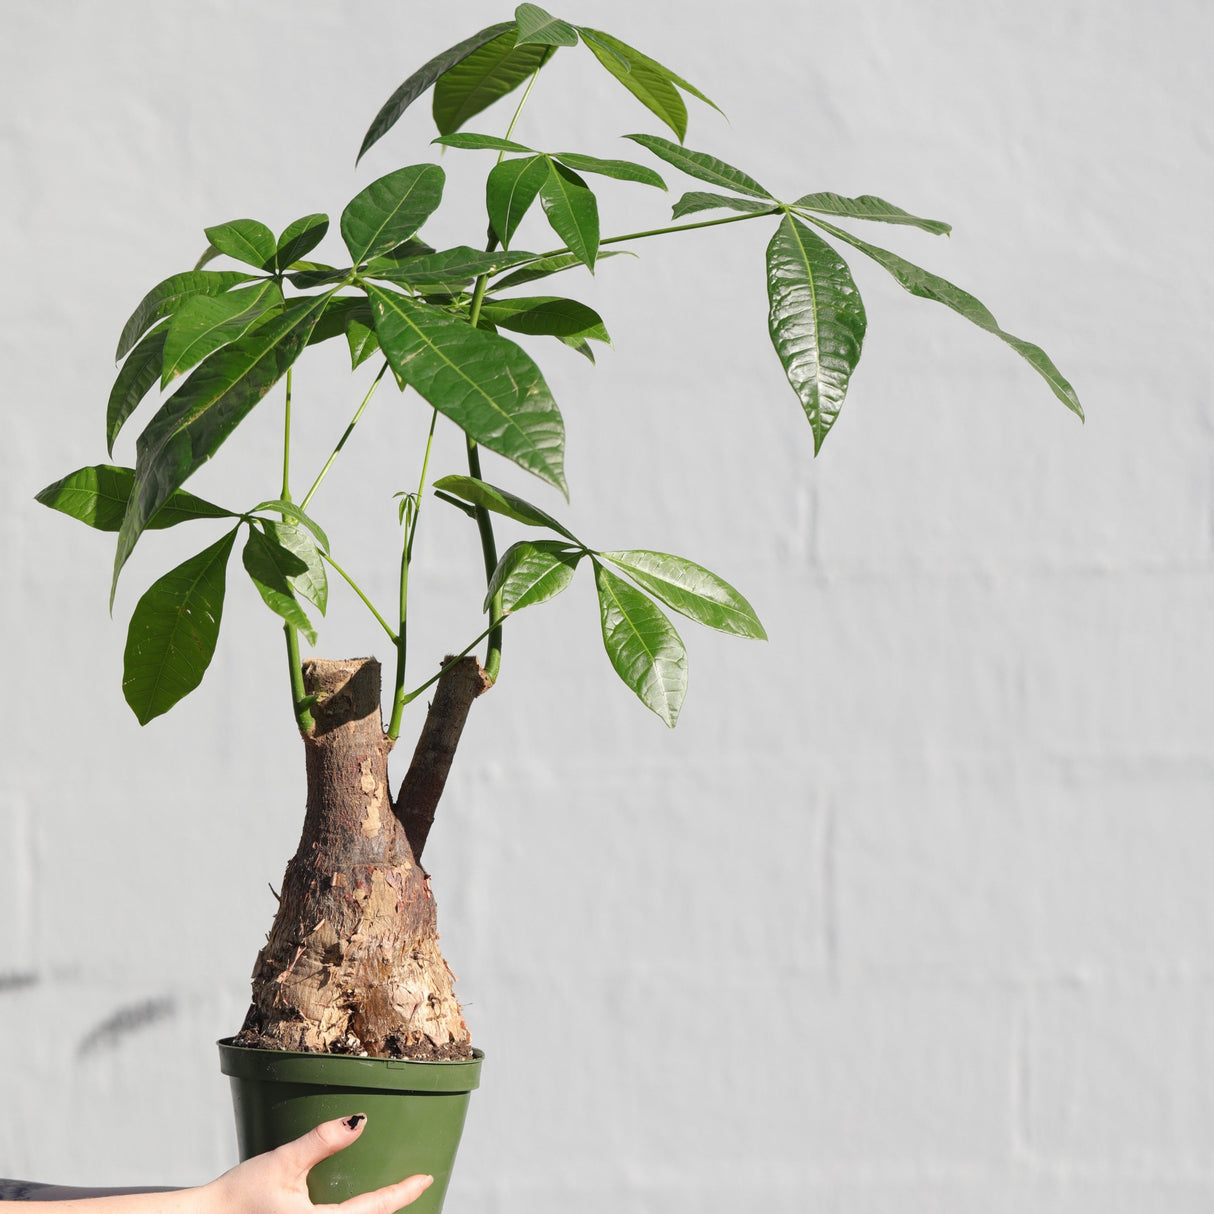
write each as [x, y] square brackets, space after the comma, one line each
[324, 1140]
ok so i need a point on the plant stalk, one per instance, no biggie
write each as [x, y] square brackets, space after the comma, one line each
[341, 442]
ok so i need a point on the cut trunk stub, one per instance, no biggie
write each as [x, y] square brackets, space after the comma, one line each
[352, 963]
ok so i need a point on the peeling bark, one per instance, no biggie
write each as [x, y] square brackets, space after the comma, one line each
[352, 963]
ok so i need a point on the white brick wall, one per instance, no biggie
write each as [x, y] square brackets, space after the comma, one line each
[912, 912]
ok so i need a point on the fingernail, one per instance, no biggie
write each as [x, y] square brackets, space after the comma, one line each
[351, 1123]
[429, 1182]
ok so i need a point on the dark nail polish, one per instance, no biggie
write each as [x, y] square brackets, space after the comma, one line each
[351, 1123]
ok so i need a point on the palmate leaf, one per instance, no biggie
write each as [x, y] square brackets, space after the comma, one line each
[391, 209]
[483, 77]
[536, 25]
[546, 315]
[510, 189]
[927, 285]
[311, 582]
[701, 165]
[173, 631]
[643, 646]
[134, 380]
[423, 78]
[816, 321]
[449, 270]
[551, 265]
[166, 297]
[620, 170]
[471, 142]
[293, 512]
[487, 385]
[531, 572]
[691, 590]
[246, 240]
[699, 200]
[652, 84]
[868, 206]
[98, 495]
[500, 501]
[299, 239]
[208, 322]
[193, 423]
[572, 212]
[272, 567]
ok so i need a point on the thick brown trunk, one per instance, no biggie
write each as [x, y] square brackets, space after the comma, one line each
[352, 963]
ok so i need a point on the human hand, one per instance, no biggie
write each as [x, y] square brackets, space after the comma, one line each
[277, 1182]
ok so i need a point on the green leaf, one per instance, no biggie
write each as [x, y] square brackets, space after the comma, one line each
[532, 571]
[336, 315]
[166, 297]
[548, 315]
[551, 265]
[246, 240]
[449, 270]
[299, 239]
[646, 79]
[510, 189]
[487, 385]
[483, 77]
[500, 501]
[621, 170]
[193, 423]
[691, 590]
[311, 582]
[580, 346]
[280, 506]
[927, 285]
[868, 206]
[701, 165]
[480, 143]
[360, 337]
[424, 77]
[208, 322]
[816, 321]
[642, 644]
[315, 274]
[391, 209]
[535, 25]
[572, 211]
[173, 631]
[271, 566]
[98, 495]
[698, 200]
[134, 380]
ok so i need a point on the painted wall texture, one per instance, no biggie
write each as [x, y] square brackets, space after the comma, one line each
[913, 911]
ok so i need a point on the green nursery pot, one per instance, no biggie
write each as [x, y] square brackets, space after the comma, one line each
[415, 1115]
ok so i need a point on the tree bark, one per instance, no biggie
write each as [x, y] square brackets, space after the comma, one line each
[352, 963]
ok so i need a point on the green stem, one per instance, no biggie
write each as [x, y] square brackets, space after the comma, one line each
[286, 444]
[406, 558]
[341, 442]
[463, 653]
[299, 702]
[484, 524]
[324, 556]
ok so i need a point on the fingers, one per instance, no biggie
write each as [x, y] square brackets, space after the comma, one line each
[387, 1200]
[326, 1139]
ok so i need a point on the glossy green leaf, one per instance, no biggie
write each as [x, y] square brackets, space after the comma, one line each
[424, 77]
[547, 315]
[868, 206]
[510, 189]
[551, 265]
[652, 84]
[208, 322]
[643, 646]
[620, 170]
[193, 423]
[272, 568]
[134, 380]
[536, 25]
[391, 209]
[698, 200]
[166, 297]
[580, 346]
[701, 165]
[278, 505]
[311, 582]
[531, 572]
[361, 338]
[172, 634]
[572, 212]
[449, 270]
[691, 590]
[246, 240]
[480, 143]
[500, 501]
[816, 321]
[299, 239]
[487, 385]
[483, 77]
[927, 285]
[98, 495]
[316, 274]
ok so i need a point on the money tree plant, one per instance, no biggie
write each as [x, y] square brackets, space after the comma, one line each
[352, 963]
